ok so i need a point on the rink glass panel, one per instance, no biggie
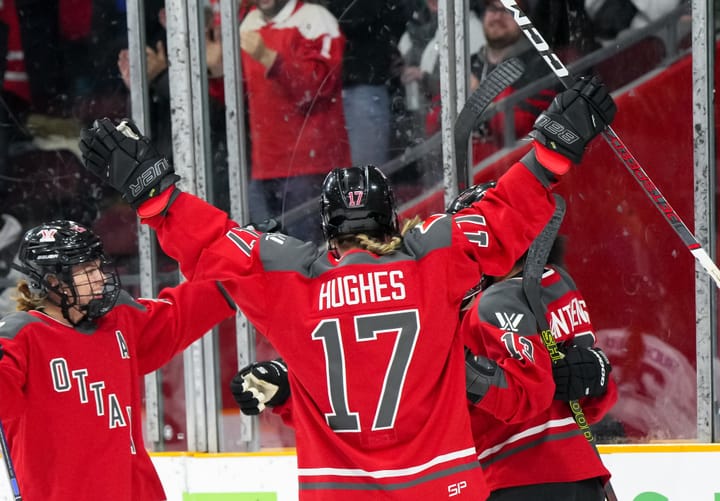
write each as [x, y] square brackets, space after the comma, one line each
[637, 277]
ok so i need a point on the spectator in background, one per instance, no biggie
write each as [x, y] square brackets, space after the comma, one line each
[565, 25]
[292, 63]
[157, 77]
[10, 232]
[504, 40]
[421, 72]
[15, 89]
[70, 46]
[159, 86]
[372, 29]
[612, 18]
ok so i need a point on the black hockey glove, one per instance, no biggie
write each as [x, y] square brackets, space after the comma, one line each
[583, 372]
[259, 385]
[480, 374]
[575, 117]
[126, 160]
[270, 225]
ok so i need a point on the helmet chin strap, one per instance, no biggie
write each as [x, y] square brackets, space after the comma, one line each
[65, 307]
[60, 298]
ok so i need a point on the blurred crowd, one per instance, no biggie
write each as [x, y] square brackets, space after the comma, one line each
[328, 83]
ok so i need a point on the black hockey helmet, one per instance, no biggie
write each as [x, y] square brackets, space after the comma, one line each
[464, 200]
[357, 200]
[53, 249]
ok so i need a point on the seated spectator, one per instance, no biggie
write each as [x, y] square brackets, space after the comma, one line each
[613, 18]
[504, 40]
[421, 74]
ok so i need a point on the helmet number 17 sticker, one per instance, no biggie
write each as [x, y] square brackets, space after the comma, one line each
[355, 198]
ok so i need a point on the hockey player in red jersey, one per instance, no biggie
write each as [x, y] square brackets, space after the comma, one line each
[527, 441]
[518, 401]
[74, 357]
[368, 325]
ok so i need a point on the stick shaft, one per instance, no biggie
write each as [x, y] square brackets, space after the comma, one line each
[9, 464]
[532, 287]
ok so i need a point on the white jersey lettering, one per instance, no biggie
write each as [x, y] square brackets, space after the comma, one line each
[124, 351]
[60, 374]
[80, 376]
[97, 389]
[115, 415]
[568, 318]
[372, 287]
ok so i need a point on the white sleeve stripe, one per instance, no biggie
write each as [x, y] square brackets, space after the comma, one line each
[535, 430]
[401, 472]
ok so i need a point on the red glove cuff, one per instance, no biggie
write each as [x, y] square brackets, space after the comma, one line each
[554, 162]
[155, 205]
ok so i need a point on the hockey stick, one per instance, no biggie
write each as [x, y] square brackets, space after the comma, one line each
[504, 75]
[5, 450]
[531, 283]
[621, 151]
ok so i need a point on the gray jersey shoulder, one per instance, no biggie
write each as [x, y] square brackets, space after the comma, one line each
[280, 252]
[13, 323]
[503, 305]
[434, 233]
[125, 299]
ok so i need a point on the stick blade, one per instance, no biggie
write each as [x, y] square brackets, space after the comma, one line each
[500, 78]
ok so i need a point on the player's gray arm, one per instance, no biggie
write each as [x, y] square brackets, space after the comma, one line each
[481, 373]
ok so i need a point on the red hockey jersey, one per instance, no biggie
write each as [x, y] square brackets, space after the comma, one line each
[71, 399]
[522, 435]
[377, 364]
[297, 125]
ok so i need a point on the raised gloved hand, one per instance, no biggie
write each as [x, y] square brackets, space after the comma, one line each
[582, 372]
[574, 118]
[259, 385]
[126, 160]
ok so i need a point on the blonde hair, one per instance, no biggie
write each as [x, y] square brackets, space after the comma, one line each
[378, 247]
[26, 300]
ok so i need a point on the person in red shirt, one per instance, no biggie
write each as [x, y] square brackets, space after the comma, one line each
[292, 56]
[74, 357]
[368, 324]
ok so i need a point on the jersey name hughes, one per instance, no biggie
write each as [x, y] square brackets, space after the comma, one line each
[372, 287]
